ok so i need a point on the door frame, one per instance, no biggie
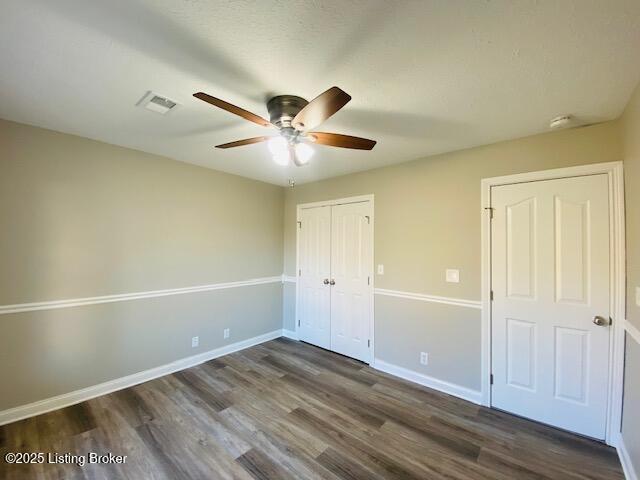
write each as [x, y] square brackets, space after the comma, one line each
[614, 171]
[327, 203]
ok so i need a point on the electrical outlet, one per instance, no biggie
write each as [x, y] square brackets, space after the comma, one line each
[226, 333]
[380, 269]
[424, 358]
[195, 341]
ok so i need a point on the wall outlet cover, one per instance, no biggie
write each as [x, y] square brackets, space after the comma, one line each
[638, 296]
[195, 341]
[424, 358]
[380, 269]
[453, 275]
[226, 333]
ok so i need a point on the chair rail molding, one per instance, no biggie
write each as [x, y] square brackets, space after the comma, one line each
[460, 302]
[77, 302]
[632, 330]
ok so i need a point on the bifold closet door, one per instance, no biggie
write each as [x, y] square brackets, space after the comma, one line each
[314, 258]
[351, 264]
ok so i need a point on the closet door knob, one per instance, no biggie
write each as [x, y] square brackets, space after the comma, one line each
[326, 281]
[332, 282]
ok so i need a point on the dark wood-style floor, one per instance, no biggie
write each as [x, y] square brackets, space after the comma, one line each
[285, 409]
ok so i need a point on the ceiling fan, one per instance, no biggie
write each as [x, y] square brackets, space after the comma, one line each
[295, 118]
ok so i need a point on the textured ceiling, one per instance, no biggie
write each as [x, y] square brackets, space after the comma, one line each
[426, 76]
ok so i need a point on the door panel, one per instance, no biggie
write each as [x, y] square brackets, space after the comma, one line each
[550, 278]
[521, 358]
[314, 252]
[351, 264]
[572, 251]
[572, 356]
[521, 251]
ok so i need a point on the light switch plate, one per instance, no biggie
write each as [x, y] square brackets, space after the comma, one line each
[380, 269]
[453, 275]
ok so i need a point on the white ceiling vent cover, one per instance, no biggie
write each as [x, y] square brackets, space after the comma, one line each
[156, 103]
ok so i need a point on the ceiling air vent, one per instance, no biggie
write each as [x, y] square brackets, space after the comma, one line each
[156, 103]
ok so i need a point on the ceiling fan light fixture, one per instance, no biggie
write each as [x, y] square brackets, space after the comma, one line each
[279, 148]
[303, 153]
[282, 158]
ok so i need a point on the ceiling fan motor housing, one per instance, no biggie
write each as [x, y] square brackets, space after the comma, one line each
[283, 109]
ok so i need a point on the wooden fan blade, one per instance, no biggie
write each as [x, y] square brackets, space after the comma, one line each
[246, 141]
[343, 141]
[320, 108]
[252, 117]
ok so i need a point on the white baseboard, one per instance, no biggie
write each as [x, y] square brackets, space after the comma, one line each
[292, 334]
[465, 393]
[629, 472]
[77, 396]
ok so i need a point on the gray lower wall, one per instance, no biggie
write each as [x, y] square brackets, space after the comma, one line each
[51, 352]
[630, 416]
[449, 333]
[289, 306]
[433, 326]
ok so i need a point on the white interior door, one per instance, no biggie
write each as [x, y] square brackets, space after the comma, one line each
[351, 270]
[550, 280]
[314, 263]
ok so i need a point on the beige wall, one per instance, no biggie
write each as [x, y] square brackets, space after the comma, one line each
[428, 219]
[631, 141]
[82, 218]
[427, 210]
[630, 123]
[88, 218]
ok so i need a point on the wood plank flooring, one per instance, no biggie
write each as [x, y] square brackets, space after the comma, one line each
[287, 410]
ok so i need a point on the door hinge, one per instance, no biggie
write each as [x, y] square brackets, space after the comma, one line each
[368, 280]
[491, 295]
[298, 322]
[300, 272]
[491, 379]
[369, 343]
[368, 218]
[491, 209]
[299, 224]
